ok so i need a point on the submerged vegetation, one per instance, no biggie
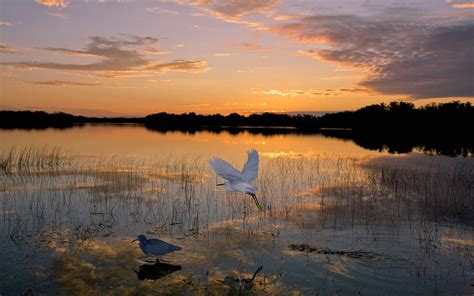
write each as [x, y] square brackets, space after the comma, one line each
[328, 221]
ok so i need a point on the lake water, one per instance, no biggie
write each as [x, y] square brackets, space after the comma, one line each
[338, 219]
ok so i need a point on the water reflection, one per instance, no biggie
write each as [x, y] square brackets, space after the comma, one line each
[241, 286]
[452, 144]
[405, 219]
[155, 271]
[103, 140]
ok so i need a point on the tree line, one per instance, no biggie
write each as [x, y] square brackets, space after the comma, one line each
[443, 128]
[394, 116]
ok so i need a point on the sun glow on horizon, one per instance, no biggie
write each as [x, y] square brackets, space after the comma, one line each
[215, 57]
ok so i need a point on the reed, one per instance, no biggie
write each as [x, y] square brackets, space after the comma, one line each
[31, 158]
[307, 200]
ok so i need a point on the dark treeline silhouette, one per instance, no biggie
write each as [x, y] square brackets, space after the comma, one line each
[403, 116]
[43, 120]
[397, 127]
[163, 120]
[37, 120]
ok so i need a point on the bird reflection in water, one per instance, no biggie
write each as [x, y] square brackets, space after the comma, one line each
[155, 271]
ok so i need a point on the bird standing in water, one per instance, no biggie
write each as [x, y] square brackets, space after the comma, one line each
[155, 247]
[235, 180]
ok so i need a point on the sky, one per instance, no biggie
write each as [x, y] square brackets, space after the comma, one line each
[131, 58]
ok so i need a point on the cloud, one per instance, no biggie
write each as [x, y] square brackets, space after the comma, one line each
[234, 11]
[180, 66]
[54, 3]
[7, 49]
[123, 73]
[65, 83]
[114, 55]
[237, 8]
[309, 53]
[443, 67]
[154, 52]
[287, 93]
[400, 56]
[222, 54]
[113, 1]
[285, 17]
[159, 10]
[117, 57]
[5, 24]
[464, 5]
[251, 46]
[354, 90]
[58, 15]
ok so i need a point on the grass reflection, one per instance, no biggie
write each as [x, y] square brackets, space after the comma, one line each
[83, 214]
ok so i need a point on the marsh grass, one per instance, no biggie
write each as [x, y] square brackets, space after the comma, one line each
[31, 158]
[167, 191]
[48, 194]
[442, 189]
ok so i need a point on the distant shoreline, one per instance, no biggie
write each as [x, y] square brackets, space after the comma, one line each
[397, 127]
[394, 116]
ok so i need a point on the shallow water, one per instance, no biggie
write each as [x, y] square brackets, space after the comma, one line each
[338, 219]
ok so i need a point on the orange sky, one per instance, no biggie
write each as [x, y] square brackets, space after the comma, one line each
[216, 56]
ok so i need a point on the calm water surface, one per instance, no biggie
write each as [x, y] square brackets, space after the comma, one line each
[338, 219]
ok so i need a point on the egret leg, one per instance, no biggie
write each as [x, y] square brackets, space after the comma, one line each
[254, 196]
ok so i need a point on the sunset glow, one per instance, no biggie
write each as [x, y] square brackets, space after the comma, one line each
[126, 58]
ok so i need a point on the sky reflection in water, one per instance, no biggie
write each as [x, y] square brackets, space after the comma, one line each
[70, 228]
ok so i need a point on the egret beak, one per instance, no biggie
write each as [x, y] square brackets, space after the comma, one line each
[221, 184]
[134, 240]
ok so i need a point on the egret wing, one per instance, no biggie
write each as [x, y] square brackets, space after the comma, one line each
[250, 170]
[225, 170]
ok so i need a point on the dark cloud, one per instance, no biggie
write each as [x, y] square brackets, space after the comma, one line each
[442, 66]
[117, 57]
[401, 56]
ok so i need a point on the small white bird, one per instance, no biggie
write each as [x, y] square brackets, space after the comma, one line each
[240, 181]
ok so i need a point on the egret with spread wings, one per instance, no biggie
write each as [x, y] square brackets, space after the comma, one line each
[235, 180]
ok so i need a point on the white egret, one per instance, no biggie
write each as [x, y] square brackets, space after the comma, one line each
[155, 247]
[235, 180]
